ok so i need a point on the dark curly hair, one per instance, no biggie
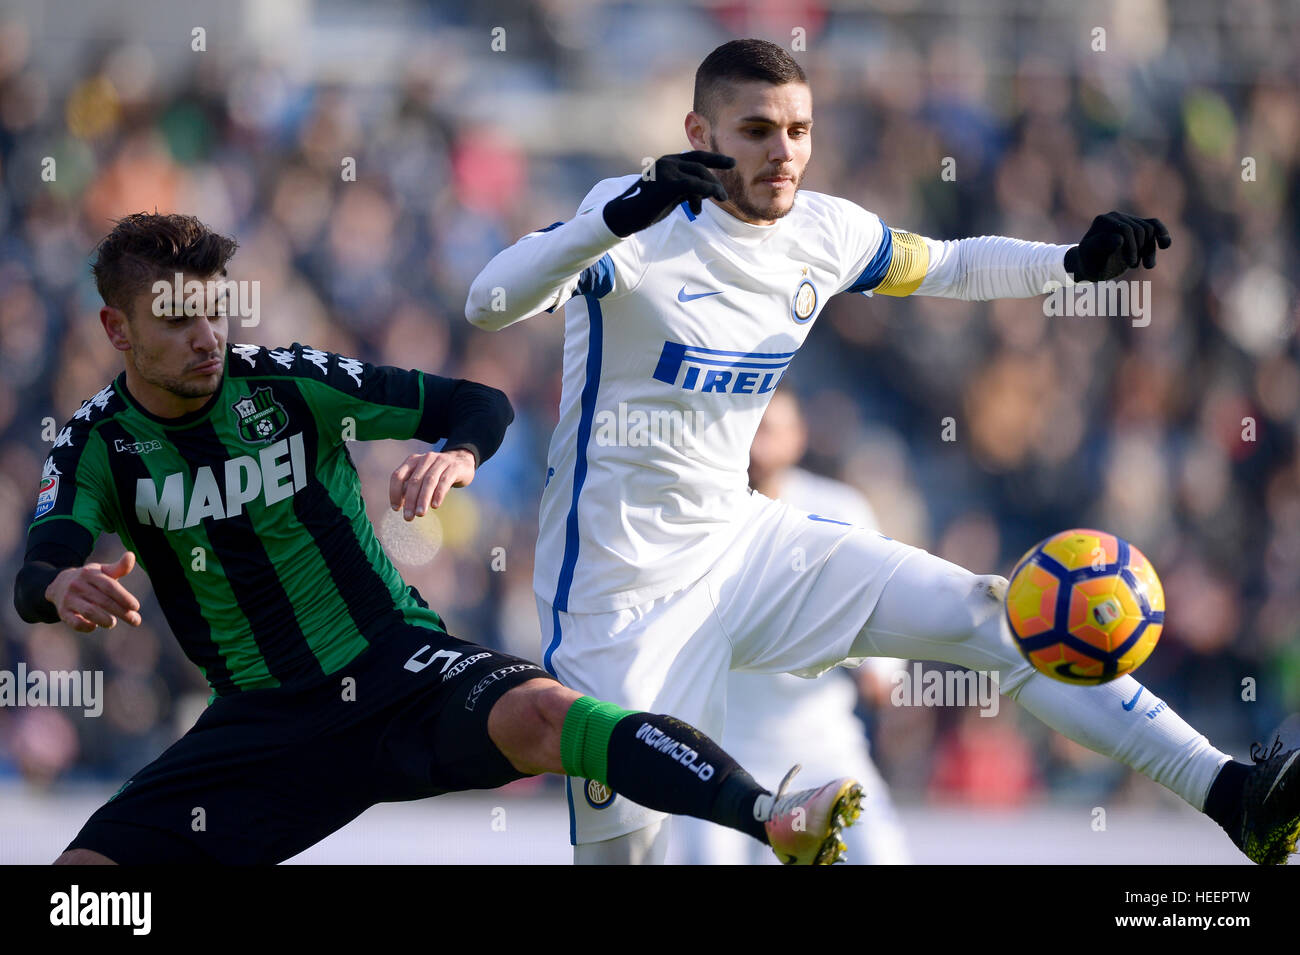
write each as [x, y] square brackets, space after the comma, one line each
[146, 247]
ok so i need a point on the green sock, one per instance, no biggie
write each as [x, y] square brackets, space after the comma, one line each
[584, 738]
[660, 763]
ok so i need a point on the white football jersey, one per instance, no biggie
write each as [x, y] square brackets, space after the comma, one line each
[674, 343]
[683, 333]
[674, 340]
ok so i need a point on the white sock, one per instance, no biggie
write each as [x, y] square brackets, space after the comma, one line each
[935, 610]
[1151, 738]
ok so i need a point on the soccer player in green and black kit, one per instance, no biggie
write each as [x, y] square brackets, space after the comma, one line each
[334, 685]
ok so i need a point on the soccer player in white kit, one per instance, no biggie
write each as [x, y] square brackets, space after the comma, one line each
[686, 293]
[777, 719]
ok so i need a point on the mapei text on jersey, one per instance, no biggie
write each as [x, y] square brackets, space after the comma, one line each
[277, 472]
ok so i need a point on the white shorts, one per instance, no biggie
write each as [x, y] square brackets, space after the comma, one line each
[789, 596]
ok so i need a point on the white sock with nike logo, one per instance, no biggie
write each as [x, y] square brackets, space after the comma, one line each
[932, 609]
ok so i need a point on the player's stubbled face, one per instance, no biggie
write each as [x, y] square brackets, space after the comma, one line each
[768, 131]
[181, 354]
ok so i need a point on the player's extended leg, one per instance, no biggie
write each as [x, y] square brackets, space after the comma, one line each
[935, 610]
[666, 765]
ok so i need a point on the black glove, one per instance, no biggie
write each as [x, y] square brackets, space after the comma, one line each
[675, 177]
[1115, 243]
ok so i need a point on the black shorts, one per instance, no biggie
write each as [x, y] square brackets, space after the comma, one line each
[264, 774]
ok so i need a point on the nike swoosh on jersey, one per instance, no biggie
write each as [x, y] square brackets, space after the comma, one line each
[1133, 702]
[683, 296]
[1280, 773]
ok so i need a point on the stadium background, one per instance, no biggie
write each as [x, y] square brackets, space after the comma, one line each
[459, 148]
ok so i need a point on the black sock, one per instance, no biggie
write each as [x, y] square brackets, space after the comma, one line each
[665, 764]
[1223, 804]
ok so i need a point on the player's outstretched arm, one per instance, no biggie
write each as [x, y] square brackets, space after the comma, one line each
[83, 597]
[543, 269]
[538, 272]
[990, 266]
[380, 402]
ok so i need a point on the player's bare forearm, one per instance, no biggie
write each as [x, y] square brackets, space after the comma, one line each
[423, 480]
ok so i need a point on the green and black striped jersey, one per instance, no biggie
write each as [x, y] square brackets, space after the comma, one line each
[247, 513]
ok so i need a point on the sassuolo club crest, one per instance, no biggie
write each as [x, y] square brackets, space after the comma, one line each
[261, 417]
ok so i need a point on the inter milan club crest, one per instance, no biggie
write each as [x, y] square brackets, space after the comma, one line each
[598, 794]
[260, 416]
[805, 302]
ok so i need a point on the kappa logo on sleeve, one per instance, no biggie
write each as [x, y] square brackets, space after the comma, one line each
[351, 367]
[97, 403]
[320, 359]
[247, 352]
[47, 495]
[477, 691]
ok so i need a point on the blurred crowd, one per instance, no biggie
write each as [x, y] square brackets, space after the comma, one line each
[1180, 435]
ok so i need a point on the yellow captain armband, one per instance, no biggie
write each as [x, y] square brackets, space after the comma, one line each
[907, 265]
